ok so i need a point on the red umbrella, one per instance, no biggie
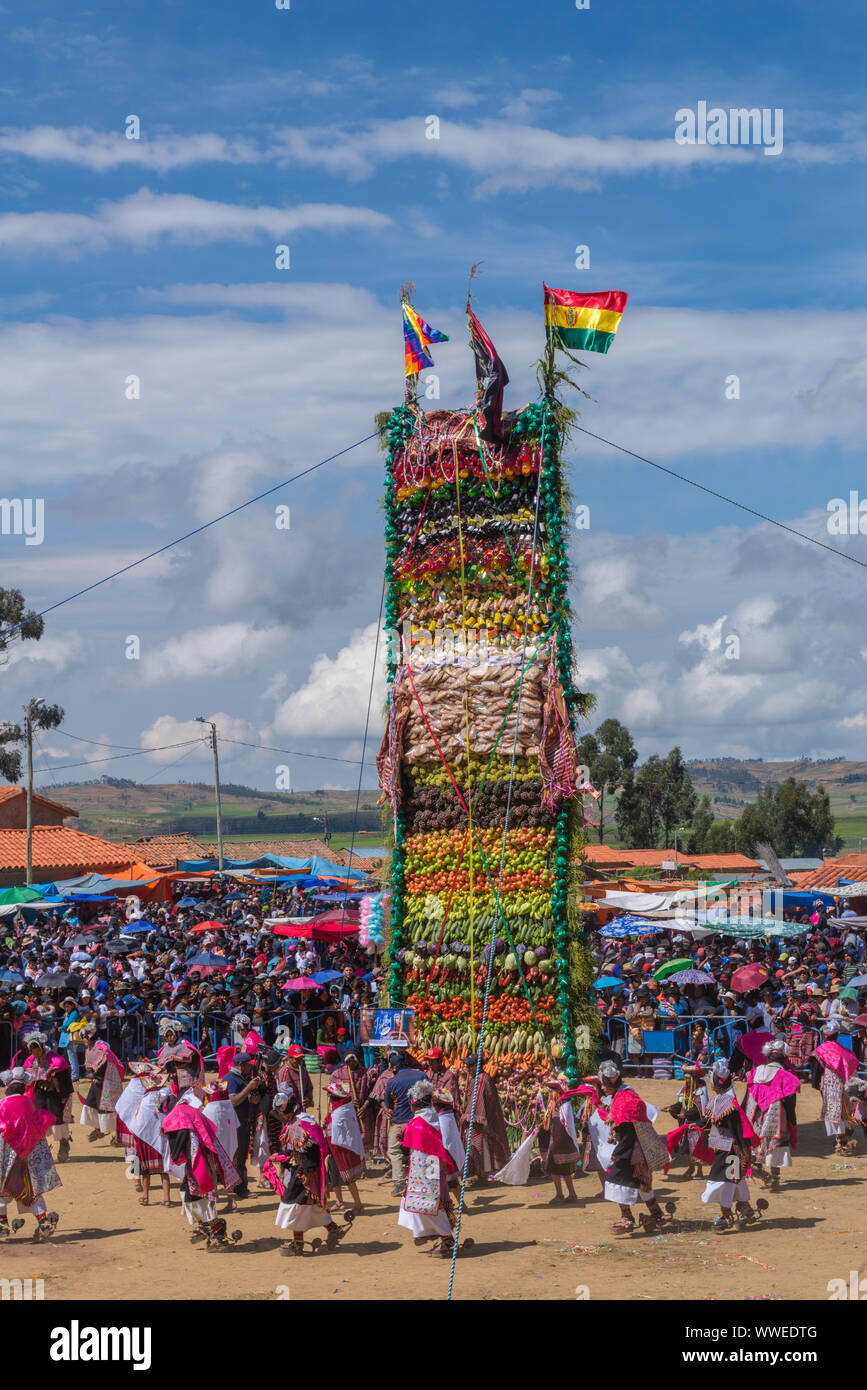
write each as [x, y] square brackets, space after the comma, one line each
[206, 926]
[749, 977]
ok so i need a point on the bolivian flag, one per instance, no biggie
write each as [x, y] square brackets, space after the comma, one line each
[586, 322]
[417, 338]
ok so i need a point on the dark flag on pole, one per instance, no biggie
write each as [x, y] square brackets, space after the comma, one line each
[491, 378]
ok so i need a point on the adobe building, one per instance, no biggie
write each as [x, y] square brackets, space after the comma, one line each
[58, 851]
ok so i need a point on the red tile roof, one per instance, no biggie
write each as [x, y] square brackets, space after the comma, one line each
[7, 792]
[162, 851]
[291, 849]
[56, 847]
[604, 856]
[829, 875]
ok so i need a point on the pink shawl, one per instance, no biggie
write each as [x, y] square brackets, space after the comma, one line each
[113, 1061]
[627, 1108]
[838, 1058]
[751, 1045]
[422, 1136]
[699, 1150]
[765, 1093]
[23, 1124]
[185, 1116]
[270, 1174]
[314, 1132]
[225, 1058]
[55, 1062]
[174, 1052]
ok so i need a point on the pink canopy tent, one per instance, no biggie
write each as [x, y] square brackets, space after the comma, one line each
[314, 928]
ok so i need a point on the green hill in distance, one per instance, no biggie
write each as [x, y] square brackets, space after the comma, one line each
[120, 809]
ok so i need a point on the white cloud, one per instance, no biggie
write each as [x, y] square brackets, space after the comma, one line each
[209, 653]
[144, 217]
[610, 587]
[332, 702]
[100, 151]
[706, 635]
[166, 730]
[53, 653]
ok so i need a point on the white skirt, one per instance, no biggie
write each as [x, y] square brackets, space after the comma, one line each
[780, 1157]
[427, 1224]
[103, 1120]
[726, 1193]
[832, 1129]
[202, 1209]
[300, 1216]
[626, 1196]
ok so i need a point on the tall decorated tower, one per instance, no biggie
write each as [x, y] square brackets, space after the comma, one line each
[478, 761]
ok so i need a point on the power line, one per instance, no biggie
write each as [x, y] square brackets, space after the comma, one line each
[293, 752]
[119, 757]
[197, 531]
[168, 766]
[793, 531]
[98, 742]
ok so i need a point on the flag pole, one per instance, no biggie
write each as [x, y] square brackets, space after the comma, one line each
[407, 290]
[548, 372]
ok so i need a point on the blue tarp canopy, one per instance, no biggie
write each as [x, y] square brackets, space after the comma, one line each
[97, 885]
[321, 868]
[633, 926]
[792, 898]
[337, 897]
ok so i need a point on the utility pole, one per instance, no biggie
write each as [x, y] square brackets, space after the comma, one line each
[200, 719]
[40, 716]
[28, 743]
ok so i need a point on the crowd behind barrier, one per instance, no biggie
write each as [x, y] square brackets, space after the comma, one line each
[691, 1039]
[133, 1037]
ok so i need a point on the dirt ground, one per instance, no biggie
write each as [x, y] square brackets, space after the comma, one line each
[108, 1247]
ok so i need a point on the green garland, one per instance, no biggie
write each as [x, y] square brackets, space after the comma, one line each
[573, 963]
[400, 427]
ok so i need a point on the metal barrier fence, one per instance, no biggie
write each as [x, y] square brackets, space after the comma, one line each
[678, 1042]
[133, 1036]
[209, 1031]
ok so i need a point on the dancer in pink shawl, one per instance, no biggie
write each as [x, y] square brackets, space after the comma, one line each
[637, 1153]
[105, 1072]
[139, 1110]
[770, 1108]
[178, 1057]
[426, 1207]
[729, 1135]
[195, 1146]
[831, 1066]
[343, 1132]
[299, 1176]
[52, 1088]
[27, 1169]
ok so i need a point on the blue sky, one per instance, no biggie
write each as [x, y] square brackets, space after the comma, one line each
[155, 258]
